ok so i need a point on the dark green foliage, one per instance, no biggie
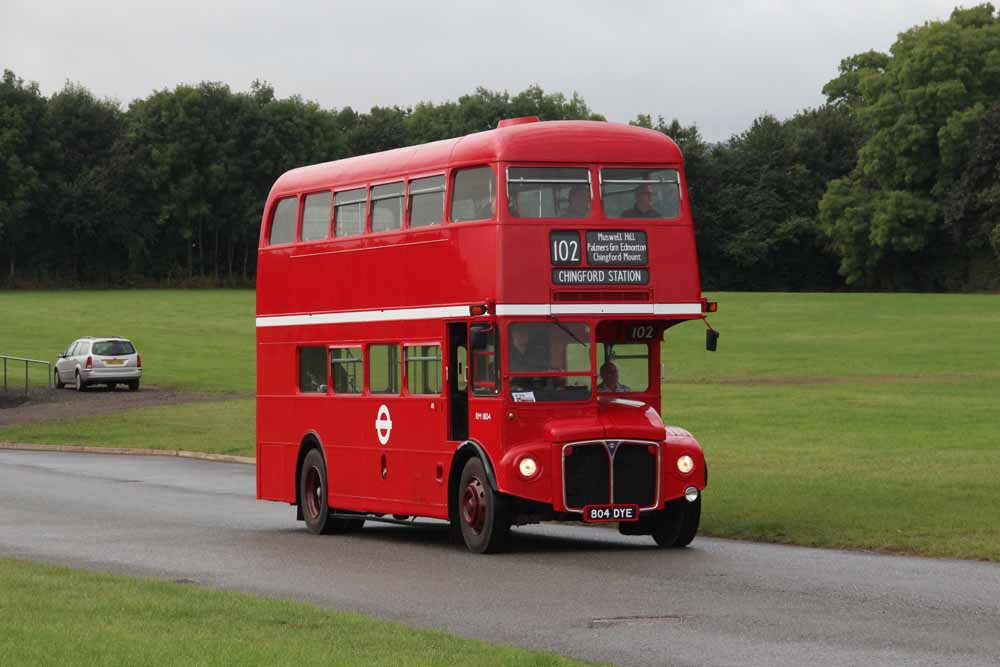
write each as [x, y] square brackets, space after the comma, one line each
[922, 109]
[172, 190]
[893, 184]
[754, 198]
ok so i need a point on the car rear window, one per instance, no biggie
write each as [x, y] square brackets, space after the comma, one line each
[113, 348]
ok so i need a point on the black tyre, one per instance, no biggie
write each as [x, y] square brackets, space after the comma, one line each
[313, 498]
[59, 384]
[133, 385]
[483, 514]
[689, 527]
[667, 524]
[80, 384]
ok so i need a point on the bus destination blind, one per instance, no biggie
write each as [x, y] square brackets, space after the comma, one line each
[611, 255]
[617, 248]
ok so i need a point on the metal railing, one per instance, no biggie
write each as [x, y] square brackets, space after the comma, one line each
[48, 371]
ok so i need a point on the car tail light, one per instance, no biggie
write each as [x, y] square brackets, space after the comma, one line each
[138, 360]
[90, 363]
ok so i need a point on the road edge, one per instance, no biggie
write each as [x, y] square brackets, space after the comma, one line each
[87, 449]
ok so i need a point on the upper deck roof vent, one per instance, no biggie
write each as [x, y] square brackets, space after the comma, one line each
[509, 122]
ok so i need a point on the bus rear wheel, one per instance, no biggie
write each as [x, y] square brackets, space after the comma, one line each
[483, 514]
[313, 494]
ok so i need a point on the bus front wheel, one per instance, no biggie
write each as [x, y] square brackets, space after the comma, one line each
[313, 495]
[677, 523]
[483, 514]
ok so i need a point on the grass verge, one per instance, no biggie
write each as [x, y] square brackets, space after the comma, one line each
[58, 616]
[217, 427]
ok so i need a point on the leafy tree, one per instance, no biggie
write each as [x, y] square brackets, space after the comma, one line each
[22, 150]
[82, 132]
[972, 215]
[921, 108]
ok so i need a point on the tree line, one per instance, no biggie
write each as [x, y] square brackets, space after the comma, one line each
[892, 184]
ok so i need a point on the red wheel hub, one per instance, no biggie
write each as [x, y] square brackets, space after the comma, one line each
[313, 492]
[474, 505]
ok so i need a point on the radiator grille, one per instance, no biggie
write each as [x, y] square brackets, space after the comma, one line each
[587, 480]
[597, 472]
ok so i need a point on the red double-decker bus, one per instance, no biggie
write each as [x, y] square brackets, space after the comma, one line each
[470, 330]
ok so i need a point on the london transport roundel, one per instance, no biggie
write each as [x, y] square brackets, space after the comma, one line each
[383, 424]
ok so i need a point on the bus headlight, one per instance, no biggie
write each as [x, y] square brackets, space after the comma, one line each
[527, 467]
[685, 464]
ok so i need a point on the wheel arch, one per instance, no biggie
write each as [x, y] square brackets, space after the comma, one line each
[466, 451]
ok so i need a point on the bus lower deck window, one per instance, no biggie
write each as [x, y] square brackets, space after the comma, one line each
[383, 369]
[312, 370]
[346, 370]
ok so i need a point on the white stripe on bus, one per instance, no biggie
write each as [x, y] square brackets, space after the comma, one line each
[504, 310]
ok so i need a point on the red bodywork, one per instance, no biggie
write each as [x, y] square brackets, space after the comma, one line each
[503, 263]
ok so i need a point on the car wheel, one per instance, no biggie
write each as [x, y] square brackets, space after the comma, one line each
[80, 386]
[133, 385]
[667, 523]
[689, 526]
[483, 514]
[313, 498]
[59, 384]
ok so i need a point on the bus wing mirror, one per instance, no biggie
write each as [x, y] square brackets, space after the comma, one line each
[711, 340]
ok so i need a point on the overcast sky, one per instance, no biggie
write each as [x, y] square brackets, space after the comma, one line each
[712, 63]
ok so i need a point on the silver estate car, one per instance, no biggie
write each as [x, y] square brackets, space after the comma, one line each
[108, 361]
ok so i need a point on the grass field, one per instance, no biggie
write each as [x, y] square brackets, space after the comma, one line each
[56, 616]
[841, 420]
[188, 339]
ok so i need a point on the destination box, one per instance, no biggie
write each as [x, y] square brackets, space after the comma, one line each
[617, 248]
[600, 276]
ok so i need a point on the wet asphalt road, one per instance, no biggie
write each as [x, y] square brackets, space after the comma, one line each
[588, 593]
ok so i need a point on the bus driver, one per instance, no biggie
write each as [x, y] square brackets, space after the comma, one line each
[609, 380]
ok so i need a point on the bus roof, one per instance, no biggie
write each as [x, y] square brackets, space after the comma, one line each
[550, 141]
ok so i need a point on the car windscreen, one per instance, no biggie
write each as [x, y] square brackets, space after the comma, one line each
[113, 348]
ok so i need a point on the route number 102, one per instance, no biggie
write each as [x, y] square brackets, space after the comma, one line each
[566, 250]
[643, 332]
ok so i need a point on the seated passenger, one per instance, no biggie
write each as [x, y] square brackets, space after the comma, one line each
[579, 202]
[609, 380]
[643, 207]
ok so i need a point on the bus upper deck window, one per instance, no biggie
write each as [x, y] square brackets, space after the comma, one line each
[474, 195]
[548, 192]
[640, 193]
[426, 201]
[350, 208]
[283, 222]
[316, 217]
[387, 207]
